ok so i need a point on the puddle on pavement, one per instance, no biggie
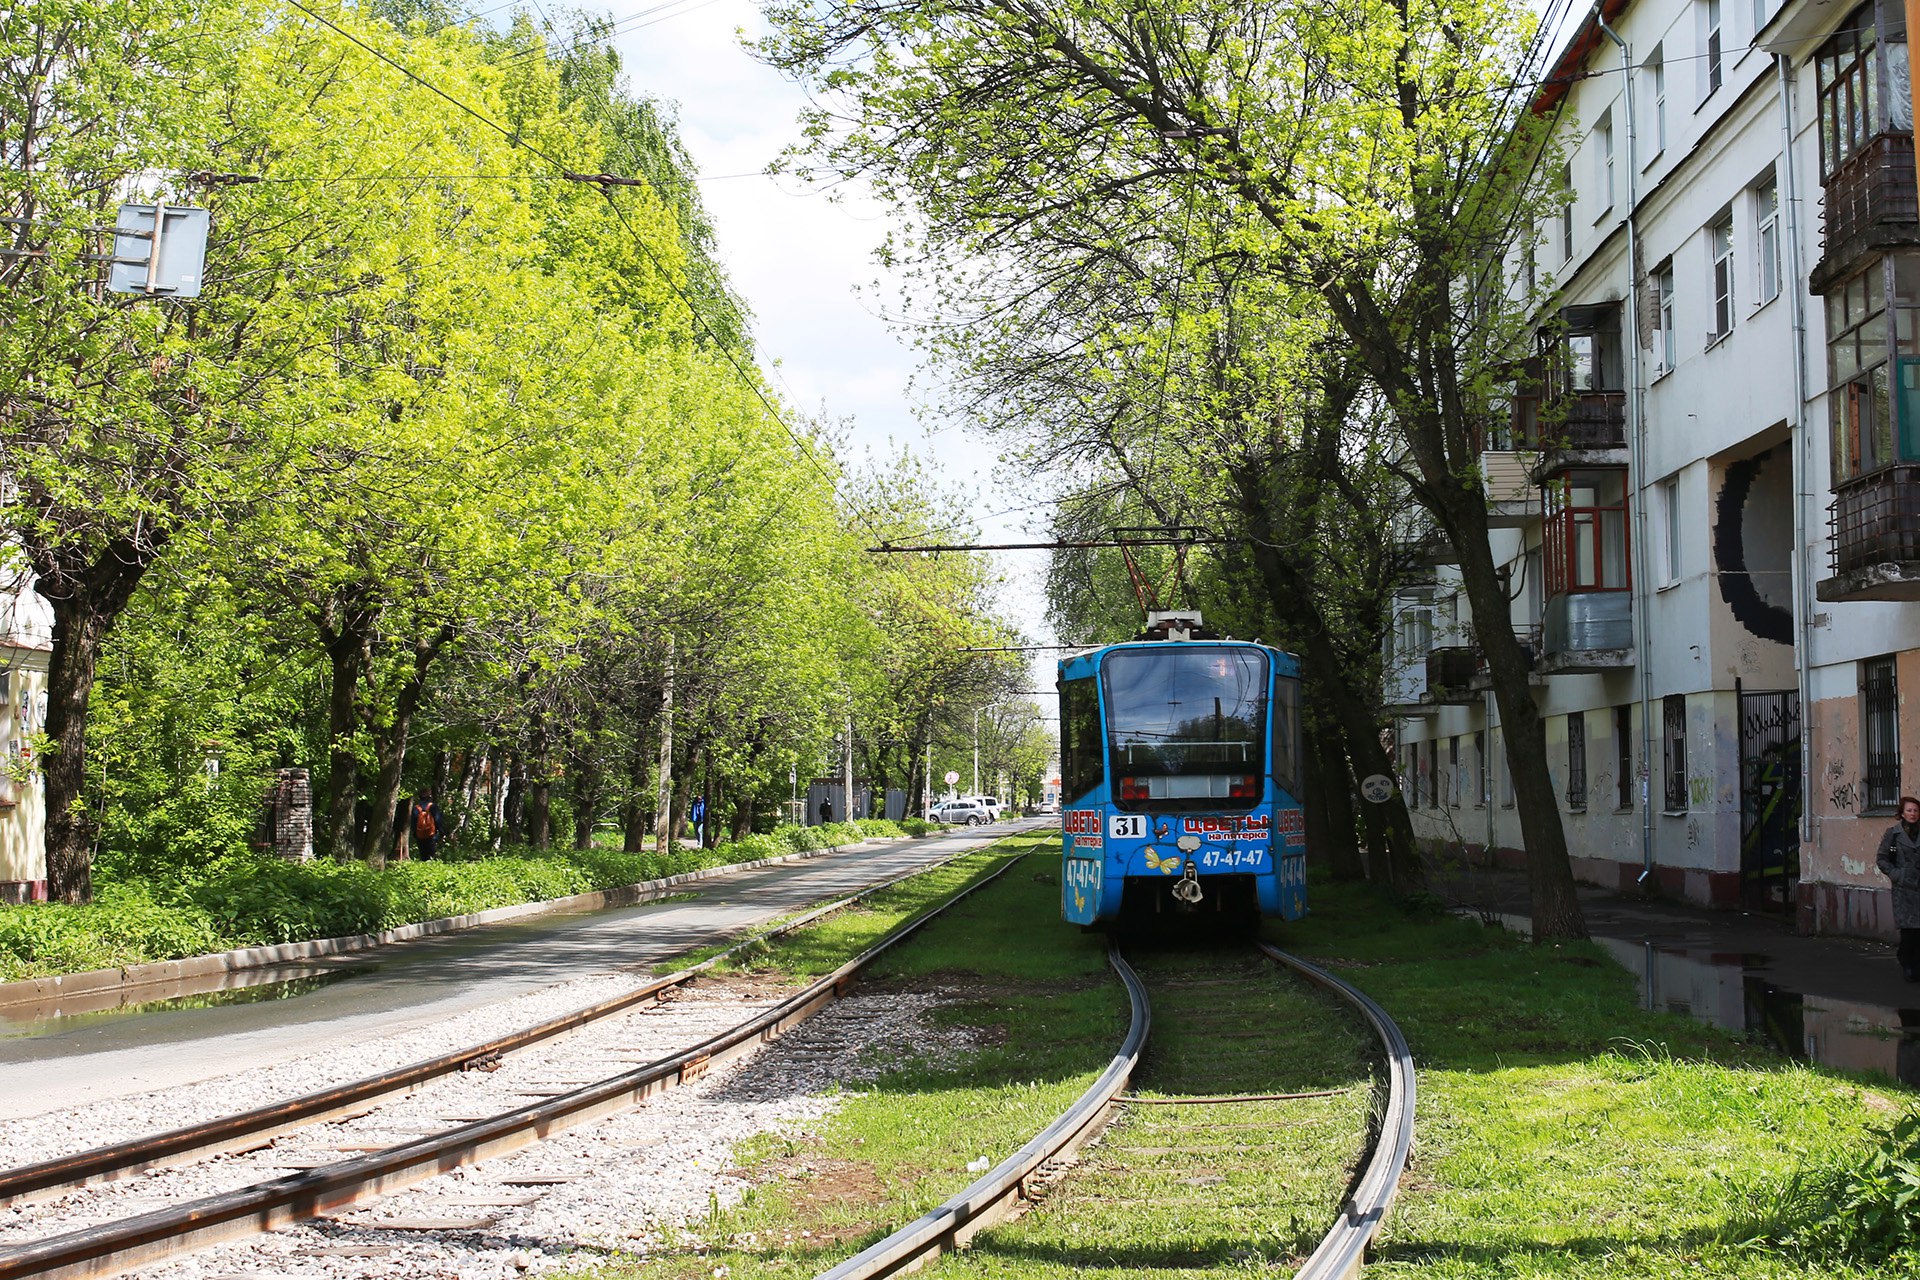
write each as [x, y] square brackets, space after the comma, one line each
[245, 986]
[1736, 992]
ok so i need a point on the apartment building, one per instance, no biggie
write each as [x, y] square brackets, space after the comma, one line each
[1709, 504]
[26, 642]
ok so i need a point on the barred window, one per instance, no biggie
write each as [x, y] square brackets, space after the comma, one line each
[1577, 762]
[1674, 715]
[1880, 717]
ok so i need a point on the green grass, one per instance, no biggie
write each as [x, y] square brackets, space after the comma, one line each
[249, 901]
[1565, 1131]
[1168, 1189]
[1562, 1130]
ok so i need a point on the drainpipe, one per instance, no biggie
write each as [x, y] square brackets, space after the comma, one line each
[1636, 437]
[1802, 441]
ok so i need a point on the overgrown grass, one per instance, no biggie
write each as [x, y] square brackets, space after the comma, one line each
[246, 902]
[1565, 1131]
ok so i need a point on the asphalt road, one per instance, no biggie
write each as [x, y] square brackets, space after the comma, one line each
[50, 1063]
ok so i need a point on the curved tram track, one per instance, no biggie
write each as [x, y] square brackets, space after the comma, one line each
[998, 1193]
[115, 1246]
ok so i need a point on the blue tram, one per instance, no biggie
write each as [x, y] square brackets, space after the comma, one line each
[1179, 781]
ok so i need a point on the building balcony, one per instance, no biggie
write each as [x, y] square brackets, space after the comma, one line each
[1512, 498]
[1450, 672]
[1584, 632]
[1871, 206]
[1529, 637]
[1572, 431]
[1875, 523]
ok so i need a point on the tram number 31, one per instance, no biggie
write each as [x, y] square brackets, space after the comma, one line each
[1127, 826]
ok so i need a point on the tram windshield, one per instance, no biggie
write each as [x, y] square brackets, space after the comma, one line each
[1184, 711]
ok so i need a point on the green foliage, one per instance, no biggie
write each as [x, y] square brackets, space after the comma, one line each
[123, 925]
[1865, 1209]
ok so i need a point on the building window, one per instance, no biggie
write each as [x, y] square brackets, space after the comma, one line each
[1566, 212]
[1577, 762]
[1670, 525]
[1673, 712]
[1759, 16]
[1880, 718]
[1481, 780]
[1664, 346]
[1720, 249]
[1766, 237]
[1506, 785]
[1603, 161]
[1873, 368]
[1433, 774]
[1453, 772]
[1656, 124]
[1847, 74]
[1710, 63]
[1623, 756]
[1585, 532]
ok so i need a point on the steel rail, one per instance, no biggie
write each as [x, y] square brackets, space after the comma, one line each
[1343, 1250]
[992, 1197]
[260, 1124]
[114, 1247]
[988, 1200]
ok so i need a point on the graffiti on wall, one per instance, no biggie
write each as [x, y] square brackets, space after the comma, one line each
[1750, 560]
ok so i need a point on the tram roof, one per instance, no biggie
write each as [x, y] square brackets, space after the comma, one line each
[1081, 665]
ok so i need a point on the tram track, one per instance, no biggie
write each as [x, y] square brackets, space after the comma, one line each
[334, 1186]
[1001, 1191]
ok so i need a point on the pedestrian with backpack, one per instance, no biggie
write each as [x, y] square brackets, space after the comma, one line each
[425, 824]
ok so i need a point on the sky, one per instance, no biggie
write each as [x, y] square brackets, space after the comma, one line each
[804, 264]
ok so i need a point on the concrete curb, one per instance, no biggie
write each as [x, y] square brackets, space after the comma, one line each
[98, 981]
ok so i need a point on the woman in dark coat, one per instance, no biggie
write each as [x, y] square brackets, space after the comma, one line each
[1900, 862]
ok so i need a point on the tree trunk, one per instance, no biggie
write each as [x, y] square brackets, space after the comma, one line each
[743, 814]
[1556, 902]
[473, 768]
[663, 804]
[346, 635]
[516, 812]
[390, 746]
[497, 766]
[77, 633]
[1329, 803]
[634, 824]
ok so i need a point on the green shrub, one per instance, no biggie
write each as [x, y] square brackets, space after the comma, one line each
[1866, 1209]
[254, 899]
[919, 826]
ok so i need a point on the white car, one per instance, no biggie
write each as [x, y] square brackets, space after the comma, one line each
[991, 804]
[964, 811]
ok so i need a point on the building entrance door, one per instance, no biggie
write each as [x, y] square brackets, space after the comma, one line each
[1769, 799]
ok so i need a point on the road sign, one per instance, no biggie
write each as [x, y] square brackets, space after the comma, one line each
[952, 777]
[158, 251]
[1377, 787]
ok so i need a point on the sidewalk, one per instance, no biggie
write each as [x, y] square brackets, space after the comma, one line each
[1837, 1001]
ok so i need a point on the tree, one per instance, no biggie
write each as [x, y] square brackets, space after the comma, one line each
[1349, 143]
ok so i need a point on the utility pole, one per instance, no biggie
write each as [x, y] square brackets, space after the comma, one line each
[976, 751]
[663, 815]
[846, 774]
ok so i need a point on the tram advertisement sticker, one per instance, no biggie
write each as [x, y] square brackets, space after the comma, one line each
[1082, 827]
